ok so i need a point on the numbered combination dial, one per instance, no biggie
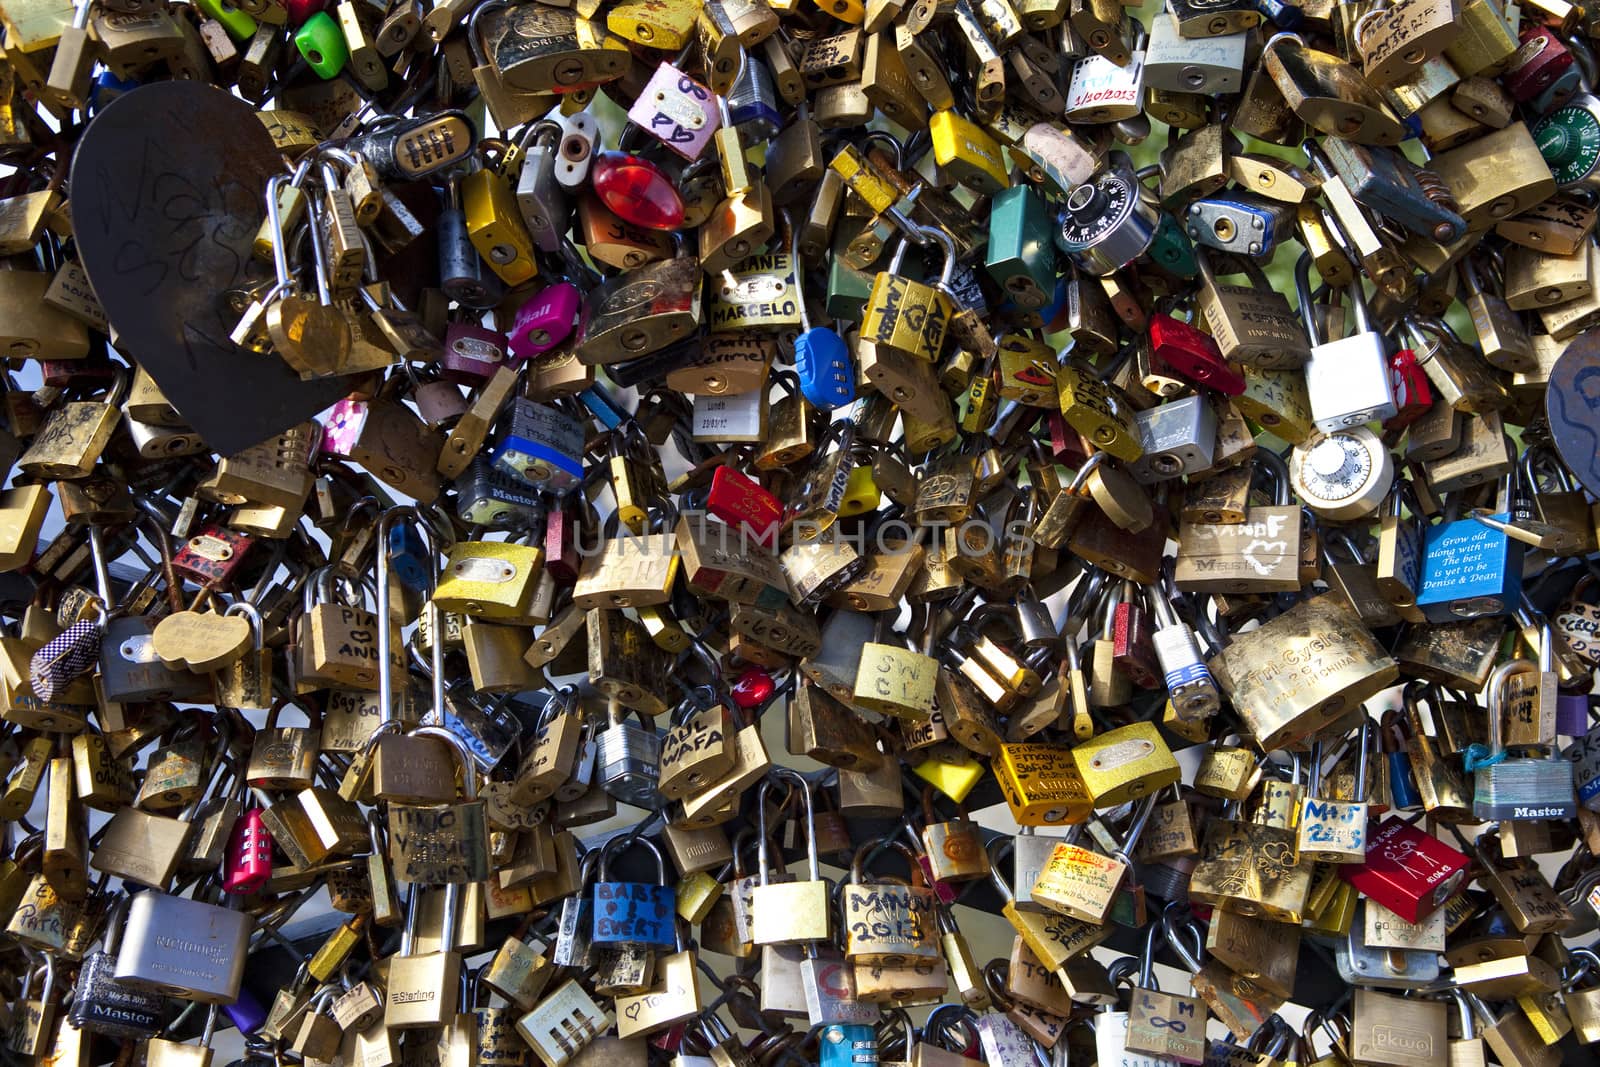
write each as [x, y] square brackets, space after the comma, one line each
[1569, 140]
[1342, 475]
[1108, 223]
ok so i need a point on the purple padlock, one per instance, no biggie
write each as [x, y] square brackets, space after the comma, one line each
[544, 321]
[1572, 714]
[246, 1012]
[472, 353]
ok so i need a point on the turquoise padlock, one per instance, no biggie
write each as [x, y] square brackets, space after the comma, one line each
[1020, 256]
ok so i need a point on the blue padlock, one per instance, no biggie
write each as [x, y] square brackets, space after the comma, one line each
[603, 406]
[409, 559]
[822, 361]
[1403, 792]
[1469, 570]
[634, 913]
[847, 1045]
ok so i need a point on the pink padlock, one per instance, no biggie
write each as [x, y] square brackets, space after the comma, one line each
[677, 111]
[248, 862]
[543, 321]
[472, 353]
[300, 10]
[342, 429]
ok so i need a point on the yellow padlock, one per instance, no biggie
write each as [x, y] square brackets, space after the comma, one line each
[861, 493]
[952, 771]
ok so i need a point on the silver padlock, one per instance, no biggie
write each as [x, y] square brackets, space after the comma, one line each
[1382, 968]
[1193, 691]
[540, 198]
[1348, 380]
[1101, 91]
[1029, 854]
[740, 418]
[131, 672]
[628, 759]
[1207, 65]
[162, 442]
[1179, 438]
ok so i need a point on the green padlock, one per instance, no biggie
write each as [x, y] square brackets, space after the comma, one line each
[238, 24]
[1021, 257]
[1171, 248]
[322, 43]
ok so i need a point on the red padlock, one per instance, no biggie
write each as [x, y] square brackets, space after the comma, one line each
[1412, 394]
[1184, 351]
[670, 1039]
[247, 864]
[1407, 871]
[1067, 446]
[753, 688]
[472, 353]
[637, 191]
[739, 501]
[561, 544]
[213, 556]
[1537, 64]
[1132, 651]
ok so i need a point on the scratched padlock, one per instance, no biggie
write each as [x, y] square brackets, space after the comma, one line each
[677, 111]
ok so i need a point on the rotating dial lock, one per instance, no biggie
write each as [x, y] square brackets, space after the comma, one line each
[1108, 223]
[1342, 475]
[1569, 140]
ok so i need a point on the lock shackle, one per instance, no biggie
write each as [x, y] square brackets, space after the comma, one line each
[723, 111]
[280, 254]
[927, 808]
[1539, 459]
[1075, 612]
[104, 601]
[1124, 969]
[469, 776]
[1271, 467]
[1363, 759]
[872, 850]
[1583, 58]
[996, 848]
[253, 617]
[1174, 923]
[1302, 291]
[388, 521]
[799, 269]
[627, 841]
[883, 137]
[937, 1027]
[1147, 958]
[947, 271]
[1466, 1018]
[1161, 596]
[996, 977]
[763, 856]
[1141, 819]
[562, 699]
[1587, 960]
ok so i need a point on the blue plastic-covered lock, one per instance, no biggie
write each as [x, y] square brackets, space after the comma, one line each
[823, 364]
[634, 913]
